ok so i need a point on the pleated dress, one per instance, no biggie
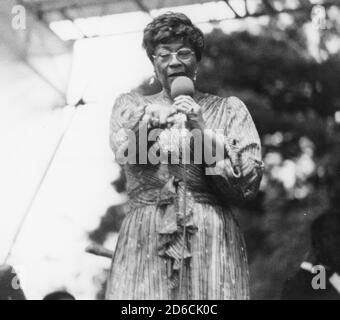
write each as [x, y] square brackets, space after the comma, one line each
[179, 238]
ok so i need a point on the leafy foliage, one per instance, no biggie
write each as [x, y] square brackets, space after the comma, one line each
[292, 99]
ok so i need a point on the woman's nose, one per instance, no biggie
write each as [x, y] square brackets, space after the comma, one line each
[174, 61]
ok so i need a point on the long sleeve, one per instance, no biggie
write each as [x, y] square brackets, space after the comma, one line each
[237, 177]
[126, 115]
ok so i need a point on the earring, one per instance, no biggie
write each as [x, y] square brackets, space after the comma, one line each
[152, 80]
[195, 75]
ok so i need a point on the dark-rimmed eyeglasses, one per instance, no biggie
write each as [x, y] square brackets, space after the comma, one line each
[181, 54]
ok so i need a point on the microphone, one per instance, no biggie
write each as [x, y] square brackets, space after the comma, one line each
[182, 86]
[171, 140]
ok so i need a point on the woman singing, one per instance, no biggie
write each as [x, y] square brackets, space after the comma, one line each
[179, 239]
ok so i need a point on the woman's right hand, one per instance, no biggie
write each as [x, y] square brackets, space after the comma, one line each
[158, 115]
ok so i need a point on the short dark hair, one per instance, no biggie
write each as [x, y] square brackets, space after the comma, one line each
[59, 295]
[172, 26]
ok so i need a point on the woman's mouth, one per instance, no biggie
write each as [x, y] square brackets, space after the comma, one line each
[177, 74]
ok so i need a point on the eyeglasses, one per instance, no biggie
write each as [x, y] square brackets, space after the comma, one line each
[181, 54]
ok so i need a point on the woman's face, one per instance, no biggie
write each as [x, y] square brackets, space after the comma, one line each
[168, 67]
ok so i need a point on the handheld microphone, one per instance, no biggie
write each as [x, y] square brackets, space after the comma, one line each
[182, 86]
[170, 140]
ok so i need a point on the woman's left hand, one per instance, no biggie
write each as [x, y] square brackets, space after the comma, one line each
[187, 105]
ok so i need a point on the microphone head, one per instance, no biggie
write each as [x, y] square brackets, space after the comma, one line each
[182, 86]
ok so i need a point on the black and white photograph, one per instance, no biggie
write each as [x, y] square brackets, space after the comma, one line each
[170, 151]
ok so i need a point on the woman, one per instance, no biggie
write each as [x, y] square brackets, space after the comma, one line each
[179, 239]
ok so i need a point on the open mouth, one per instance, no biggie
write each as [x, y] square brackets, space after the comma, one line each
[177, 74]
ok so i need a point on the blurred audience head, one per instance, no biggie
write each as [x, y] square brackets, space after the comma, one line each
[10, 288]
[325, 234]
[59, 295]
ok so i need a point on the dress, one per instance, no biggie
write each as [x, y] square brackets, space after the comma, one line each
[147, 259]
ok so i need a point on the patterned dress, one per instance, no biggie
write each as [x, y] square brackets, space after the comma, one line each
[179, 238]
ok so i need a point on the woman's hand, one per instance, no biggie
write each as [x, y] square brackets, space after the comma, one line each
[187, 105]
[157, 115]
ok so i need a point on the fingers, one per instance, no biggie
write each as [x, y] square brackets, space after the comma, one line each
[146, 118]
[188, 103]
[157, 115]
[182, 108]
[155, 121]
[184, 98]
[171, 119]
[150, 120]
[162, 117]
[165, 113]
[177, 119]
[184, 103]
[186, 107]
[150, 109]
[172, 110]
